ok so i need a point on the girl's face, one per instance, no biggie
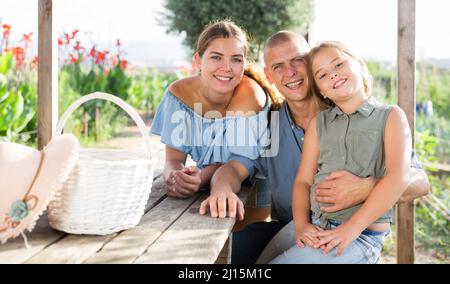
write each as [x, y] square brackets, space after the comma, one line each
[337, 75]
[222, 64]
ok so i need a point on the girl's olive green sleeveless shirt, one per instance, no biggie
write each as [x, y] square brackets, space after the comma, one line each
[354, 143]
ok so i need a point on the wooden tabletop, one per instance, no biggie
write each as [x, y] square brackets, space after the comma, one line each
[171, 231]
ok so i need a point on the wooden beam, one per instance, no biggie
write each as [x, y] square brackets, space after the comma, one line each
[47, 73]
[406, 65]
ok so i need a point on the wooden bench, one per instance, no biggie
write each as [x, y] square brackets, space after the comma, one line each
[171, 231]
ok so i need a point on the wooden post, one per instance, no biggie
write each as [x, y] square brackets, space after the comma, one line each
[407, 101]
[47, 73]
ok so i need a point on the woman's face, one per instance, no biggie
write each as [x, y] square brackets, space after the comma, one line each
[336, 74]
[222, 64]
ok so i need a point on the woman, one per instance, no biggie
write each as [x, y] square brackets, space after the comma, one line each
[219, 112]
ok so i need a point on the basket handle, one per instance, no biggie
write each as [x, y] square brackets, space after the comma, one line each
[118, 101]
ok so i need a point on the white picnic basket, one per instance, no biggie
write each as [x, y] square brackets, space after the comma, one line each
[108, 189]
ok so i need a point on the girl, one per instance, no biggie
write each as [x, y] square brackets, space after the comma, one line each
[359, 135]
[214, 114]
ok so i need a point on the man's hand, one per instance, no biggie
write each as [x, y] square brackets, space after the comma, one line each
[183, 183]
[343, 190]
[218, 202]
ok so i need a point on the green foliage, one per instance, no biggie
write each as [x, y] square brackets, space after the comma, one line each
[434, 85]
[438, 127]
[148, 89]
[432, 227]
[431, 145]
[17, 98]
[260, 18]
[384, 85]
[97, 120]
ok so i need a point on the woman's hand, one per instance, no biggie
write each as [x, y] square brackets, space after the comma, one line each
[305, 235]
[183, 183]
[340, 237]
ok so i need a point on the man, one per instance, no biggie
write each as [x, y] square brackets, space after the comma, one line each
[285, 67]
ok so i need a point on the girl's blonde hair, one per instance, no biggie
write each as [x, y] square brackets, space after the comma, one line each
[367, 79]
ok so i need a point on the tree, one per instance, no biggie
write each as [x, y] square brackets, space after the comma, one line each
[260, 18]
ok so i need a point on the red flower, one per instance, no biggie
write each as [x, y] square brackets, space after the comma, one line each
[74, 33]
[6, 30]
[73, 59]
[35, 61]
[115, 61]
[67, 38]
[19, 55]
[78, 47]
[60, 41]
[93, 52]
[124, 64]
[101, 56]
[27, 37]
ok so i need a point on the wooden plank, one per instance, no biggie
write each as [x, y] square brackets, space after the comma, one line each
[47, 73]
[193, 238]
[130, 244]
[225, 254]
[72, 249]
[407, 101]
[14, 251]
[157, 193]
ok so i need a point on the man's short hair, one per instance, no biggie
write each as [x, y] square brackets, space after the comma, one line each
[285, 36]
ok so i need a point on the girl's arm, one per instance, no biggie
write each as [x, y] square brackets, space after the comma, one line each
[397, 144]
[301, 190]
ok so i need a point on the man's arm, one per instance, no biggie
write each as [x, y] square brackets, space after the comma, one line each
[225, 183]
[419, 186]
[345, 190]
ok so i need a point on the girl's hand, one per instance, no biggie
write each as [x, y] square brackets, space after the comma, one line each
[305, 235]
[341, 237]
[183, 183]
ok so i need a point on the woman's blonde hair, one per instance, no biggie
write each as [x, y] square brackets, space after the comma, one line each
[262, 81]
[367, 79]
[221, 29]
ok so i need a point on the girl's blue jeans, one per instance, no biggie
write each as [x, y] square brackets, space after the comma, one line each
[366, 249]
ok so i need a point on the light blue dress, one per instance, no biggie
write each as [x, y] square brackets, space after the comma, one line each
[210, 141]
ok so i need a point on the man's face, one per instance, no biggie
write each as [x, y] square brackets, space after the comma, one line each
[286, 68]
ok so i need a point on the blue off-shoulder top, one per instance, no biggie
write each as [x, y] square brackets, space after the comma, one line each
[210, 141]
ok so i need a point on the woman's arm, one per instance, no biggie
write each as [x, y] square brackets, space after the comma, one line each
[175, 161]
[388, 190]
[301, 190]
[184, 181]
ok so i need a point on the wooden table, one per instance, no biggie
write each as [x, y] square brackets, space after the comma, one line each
[171, 231]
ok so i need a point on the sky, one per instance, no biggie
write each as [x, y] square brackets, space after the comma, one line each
[367, 26]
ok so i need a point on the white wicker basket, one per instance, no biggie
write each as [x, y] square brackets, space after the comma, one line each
[108, 189]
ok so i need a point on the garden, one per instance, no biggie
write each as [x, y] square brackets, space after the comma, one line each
[84, 68]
